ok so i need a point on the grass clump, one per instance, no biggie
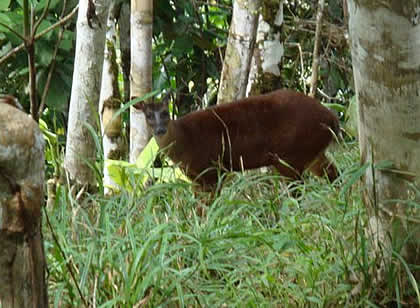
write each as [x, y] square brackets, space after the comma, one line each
[255, 246]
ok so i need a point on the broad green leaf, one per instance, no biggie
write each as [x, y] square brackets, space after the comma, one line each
[183, 44]
[118, 172]
[4, 19]
[4, 4]
[143, 168]
[39, 7]
[148, 155]
[66, 45]
[43, 126]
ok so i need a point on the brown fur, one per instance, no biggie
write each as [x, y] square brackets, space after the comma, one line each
[285, 129]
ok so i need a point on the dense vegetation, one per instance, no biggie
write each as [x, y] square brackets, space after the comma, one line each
[259, 242]
[256, 245]
[189, 40]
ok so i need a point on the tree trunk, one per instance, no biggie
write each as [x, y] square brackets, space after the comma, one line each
[22, 260]
[315, 54]
[141, 71]
[386, 64]
[110, 101]
[80, 148]
[239, 50]
[268, 52]
[124, 23]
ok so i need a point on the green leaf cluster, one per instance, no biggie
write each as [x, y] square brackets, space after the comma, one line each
[14, 72]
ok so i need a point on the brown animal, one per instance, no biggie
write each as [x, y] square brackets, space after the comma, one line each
[285, 129]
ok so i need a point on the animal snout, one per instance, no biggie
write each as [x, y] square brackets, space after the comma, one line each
[159, 131]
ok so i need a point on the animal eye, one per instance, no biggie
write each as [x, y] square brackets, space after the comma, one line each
[165, 114]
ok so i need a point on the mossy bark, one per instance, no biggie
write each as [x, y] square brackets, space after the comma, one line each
[141, 71]
[385, 40]
[22, 259]
[239, 50]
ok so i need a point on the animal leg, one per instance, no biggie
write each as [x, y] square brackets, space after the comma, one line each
[288, 171]
[293, 178]
[322, 166]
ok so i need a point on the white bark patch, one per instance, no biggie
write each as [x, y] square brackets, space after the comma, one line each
[268, 53]
[398, 32]
[141, 58]
[107, 74]
[85, 94]
[110, 124]
[139, 134]
[386, 65]
[141, 71]
[263, 29]
[110, 145]
[385, 44]
[239, 51]
[272, 50]
[273, 53]
[279, 16]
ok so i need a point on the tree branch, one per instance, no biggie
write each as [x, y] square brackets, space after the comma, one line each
[52, 65]
[13, 31]
[37, 36]
[302, 67]
[50, 73]
[58, 23]
[38, 22]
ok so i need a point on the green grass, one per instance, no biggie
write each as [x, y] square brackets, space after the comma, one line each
[255, 246]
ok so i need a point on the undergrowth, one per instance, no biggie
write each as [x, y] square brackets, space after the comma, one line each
[253, 245]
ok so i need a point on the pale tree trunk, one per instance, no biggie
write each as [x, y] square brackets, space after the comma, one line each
[80, 147]
[124, 23]
[385, 36]
[315, 54]
[22, 259]
[239, 51]
[141, 71]
[110, 101]
[264, 75]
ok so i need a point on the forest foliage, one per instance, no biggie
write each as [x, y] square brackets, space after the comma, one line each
[189, 38]
[257, 245]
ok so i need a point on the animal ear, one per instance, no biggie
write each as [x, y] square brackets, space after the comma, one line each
[139, 105]
[163, 103]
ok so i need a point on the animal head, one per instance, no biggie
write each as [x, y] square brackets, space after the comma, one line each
[157, 117]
